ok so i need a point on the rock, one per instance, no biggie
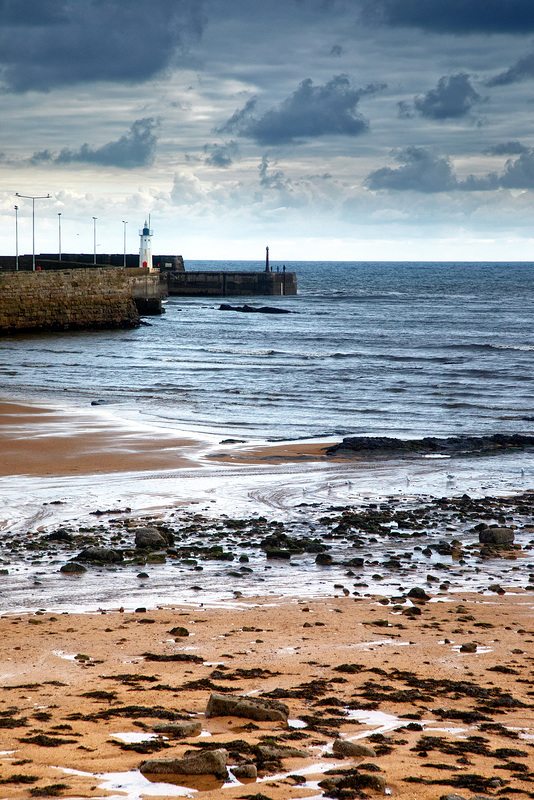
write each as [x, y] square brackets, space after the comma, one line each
[271, 752]
[100, 555]
[150, 539]
[452, 445]
[210, 762]
[350, 781]
[417, 593]
[73, 566]
[277, 553]
[178, 729]
[323, 559]
[254, 309]
[258, 709]
[470, 647]
[60, 536]
[343, 747]
[245, 771]
[496, 536]
[179, 631]
[451, 797]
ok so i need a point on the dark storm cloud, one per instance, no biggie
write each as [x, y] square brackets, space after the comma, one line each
[50, 43]
[309, 112]
[521, 70]
[512, 148]
[135, 149]
[221, 155]
[454, 96]
[454, 16]
[423, 171]
[519, 174]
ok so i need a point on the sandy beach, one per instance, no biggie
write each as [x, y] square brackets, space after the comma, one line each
[78, 688]
[440, 688]
[46, 441]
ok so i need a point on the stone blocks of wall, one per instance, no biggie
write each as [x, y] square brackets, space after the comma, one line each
[231, 284]
[66, 300]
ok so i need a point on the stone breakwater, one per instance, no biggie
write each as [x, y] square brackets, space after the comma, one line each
[66, 300]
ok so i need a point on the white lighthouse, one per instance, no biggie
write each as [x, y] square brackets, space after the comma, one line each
[145, 248]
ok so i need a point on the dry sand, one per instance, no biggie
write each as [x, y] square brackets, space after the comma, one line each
[412, 669]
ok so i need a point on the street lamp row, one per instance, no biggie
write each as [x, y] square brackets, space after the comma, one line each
[33, 198]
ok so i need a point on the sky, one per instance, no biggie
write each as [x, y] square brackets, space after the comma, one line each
[348, 130]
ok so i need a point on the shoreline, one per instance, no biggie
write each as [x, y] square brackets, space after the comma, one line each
[358, 660]
[46, 440]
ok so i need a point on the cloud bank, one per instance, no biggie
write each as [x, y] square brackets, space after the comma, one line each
[460, 17]
[310, 112]
[46, 44]
[135, 149]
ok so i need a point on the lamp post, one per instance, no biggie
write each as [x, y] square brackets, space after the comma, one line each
[125, 223]
[33, 198]
[59, 234]
[16, 238]
[94, 240]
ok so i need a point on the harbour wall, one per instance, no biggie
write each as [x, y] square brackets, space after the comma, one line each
[231, 284]
[46, 261]
[68, 300]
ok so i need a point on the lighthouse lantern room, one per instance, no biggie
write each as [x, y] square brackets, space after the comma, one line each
[145, 248]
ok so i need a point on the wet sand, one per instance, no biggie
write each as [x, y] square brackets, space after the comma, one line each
[73, 683]
[48, 441]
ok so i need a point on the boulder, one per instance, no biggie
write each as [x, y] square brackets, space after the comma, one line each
[100, 555]
[496, 536]
[179, 630]
[469, 647]
[245, 772]
[73, 566]
[343, 747]
[256, 708]
[271, 752]
[150, 539]
[210, 762]
[178, 729]
[417, 593]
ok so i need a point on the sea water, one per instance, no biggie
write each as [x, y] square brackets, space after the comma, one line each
[377, 349]
[398, 349]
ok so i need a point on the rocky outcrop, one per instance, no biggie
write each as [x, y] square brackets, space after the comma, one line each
[452, 445]
[256, 708]
[254, 309]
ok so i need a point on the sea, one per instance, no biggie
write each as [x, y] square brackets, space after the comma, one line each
[405, 349]
[400, 349]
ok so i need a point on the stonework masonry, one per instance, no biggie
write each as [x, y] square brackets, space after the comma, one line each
[66, 300]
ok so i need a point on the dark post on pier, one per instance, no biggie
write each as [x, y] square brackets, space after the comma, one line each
[266, 259]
